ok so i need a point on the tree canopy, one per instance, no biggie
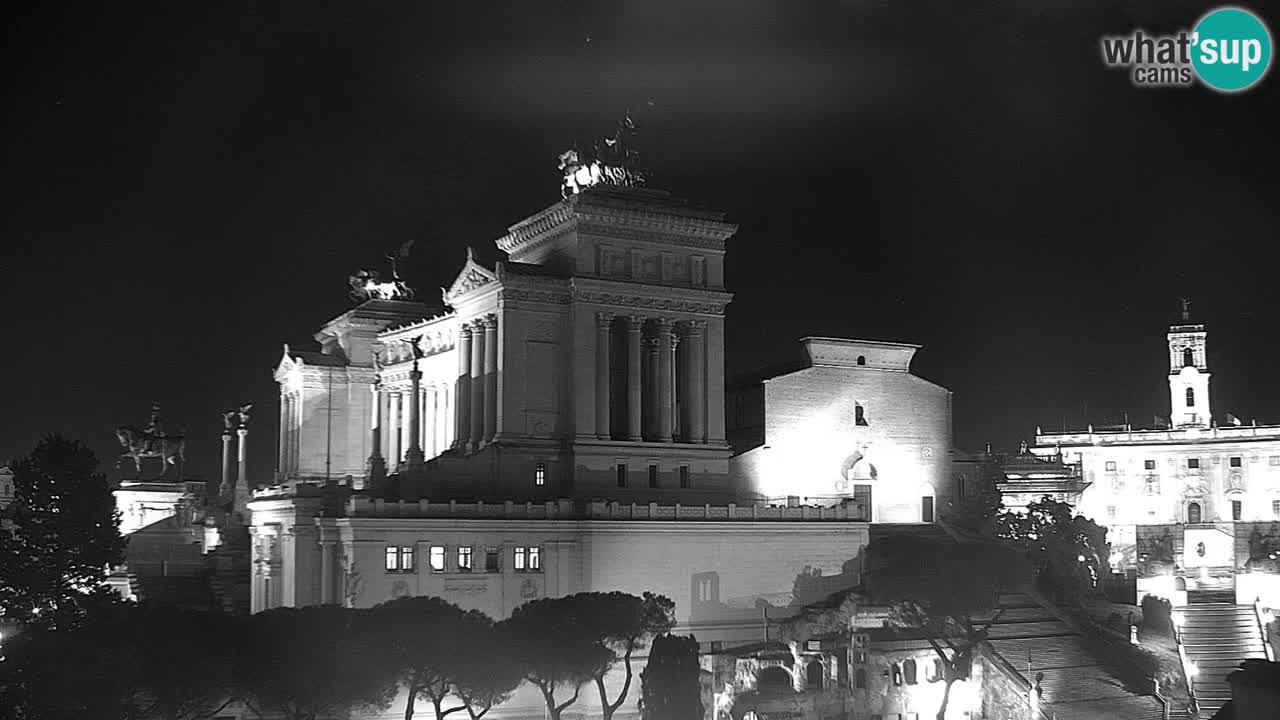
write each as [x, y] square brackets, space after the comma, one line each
[63, 536]
[1070, 552]
[670, 684]
[556, 650]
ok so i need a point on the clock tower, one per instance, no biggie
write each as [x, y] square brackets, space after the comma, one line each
[1188, 373]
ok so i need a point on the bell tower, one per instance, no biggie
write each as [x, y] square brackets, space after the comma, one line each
[1188, 373]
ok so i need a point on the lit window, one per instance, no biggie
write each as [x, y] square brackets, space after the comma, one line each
[653, 476]
[491, 559]
[406, 559]
[1191, 397]
[1235, 461]
[393, 558]
[896, 670]
[684, 476]
[521, 560]
[464, 559]
[540, 475]
[1111, 466]
[622, 474]
[535, 559]
[437, 558]
[1149, 464]
[1193, 463]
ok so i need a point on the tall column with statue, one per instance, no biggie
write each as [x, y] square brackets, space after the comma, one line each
[462, 390]
[414, 455]
[241, 495]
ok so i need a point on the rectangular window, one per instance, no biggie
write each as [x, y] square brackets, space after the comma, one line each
[491, 559]
[1193, 463]
[406, 559]
[1149, 464]
[1275, 460]
[1275, 508]
[1235, 461]
[1236, 509]
[1111, 466]
[393, 558]
[1111, 511]
[684, 476]
[653, 476]
[464, 559]
[535, 559]
[540, 475]
[521, 560]
[437, 558]
[622, 474]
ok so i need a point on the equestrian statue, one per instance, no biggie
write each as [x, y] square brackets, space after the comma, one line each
[151, 442]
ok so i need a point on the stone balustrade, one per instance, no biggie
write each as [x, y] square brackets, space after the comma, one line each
[599, 510]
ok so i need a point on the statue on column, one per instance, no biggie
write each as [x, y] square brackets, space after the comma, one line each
[150, 442]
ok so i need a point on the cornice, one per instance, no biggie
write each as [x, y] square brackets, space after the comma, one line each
[559, 296]
[522, 233]
[651, 235]
[644, 296]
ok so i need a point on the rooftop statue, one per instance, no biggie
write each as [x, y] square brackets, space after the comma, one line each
[612, 165]
[368, 285]
[236, 419]
[150, 442]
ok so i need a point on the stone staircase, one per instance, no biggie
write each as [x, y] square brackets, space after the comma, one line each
[1077, 683]
[1218, 637]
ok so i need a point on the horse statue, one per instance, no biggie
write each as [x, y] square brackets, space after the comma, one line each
[368, 284]
[139, 444]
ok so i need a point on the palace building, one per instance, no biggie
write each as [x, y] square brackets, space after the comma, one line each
[559, 425]
[1212, 489]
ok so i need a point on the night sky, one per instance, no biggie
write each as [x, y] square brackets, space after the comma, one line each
[190, 184]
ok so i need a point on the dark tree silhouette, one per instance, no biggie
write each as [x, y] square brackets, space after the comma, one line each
[63, 536]
[1070, 552]
[622, 624]
[426, 643]
[184, 663]
[313, 661]
[486, 673]
[670, 687]
[939, 589]
[556, 651]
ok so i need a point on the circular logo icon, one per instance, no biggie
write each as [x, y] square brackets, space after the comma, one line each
[1231, 49]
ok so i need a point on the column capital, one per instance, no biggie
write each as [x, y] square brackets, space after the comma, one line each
[635, 323]
[696, 327]
[464, 330]
[242, 431]
[489, 321]
[604, 318]
[665, 324]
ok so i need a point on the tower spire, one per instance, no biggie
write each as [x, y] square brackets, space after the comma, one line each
[1186, 310]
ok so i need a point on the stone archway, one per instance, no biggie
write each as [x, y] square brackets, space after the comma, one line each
[1194, 513]
[775, 679]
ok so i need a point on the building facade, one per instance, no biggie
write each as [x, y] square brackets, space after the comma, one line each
[1199, 482]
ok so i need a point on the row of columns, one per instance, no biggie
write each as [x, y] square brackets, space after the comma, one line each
[476, 419]
[392, 428]
[651, 381]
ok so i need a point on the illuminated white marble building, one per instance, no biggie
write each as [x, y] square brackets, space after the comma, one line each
[1193, 474]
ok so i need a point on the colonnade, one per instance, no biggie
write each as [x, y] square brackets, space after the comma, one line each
[435, 402]
[476, 412]
[665, 392]
[290, 429]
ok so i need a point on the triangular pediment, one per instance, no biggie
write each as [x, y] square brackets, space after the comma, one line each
[473, 276]
[286, 364]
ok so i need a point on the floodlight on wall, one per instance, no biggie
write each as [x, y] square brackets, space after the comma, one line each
[1178, 618]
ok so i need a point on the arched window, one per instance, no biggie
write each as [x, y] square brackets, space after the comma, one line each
[860, 679]
[1191, 397]
[862, 359]
[895, 671]
[774, 680]
[813, 675]
[1188, 359]
[859, 415]
[939, 673]
[1193, 513]
[909, 671]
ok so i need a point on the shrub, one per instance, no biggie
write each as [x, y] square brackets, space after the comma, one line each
[1156, 614]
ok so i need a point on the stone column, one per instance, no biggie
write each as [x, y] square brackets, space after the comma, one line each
[475, 434]
[635, 328]
[295, 431]
[429, 445]
[696, 382]
[326, 572]
[282, 452]
[226, 490]
[462, 390]
[393, 428]
[604, 321]
[490, 377]
[413, 456]
[376, 468]
[240, 494]
[666, 397]
[651, 389]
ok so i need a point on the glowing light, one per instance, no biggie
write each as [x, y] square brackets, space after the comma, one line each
[1268, 617]
[1178, 618]
[1080, 558]
[1192, 669]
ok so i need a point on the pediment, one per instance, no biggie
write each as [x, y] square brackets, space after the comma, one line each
[286, 365]
[473, 276]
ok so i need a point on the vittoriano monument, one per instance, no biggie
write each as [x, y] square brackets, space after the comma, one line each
[613, 165]
[151, 442]
[368, 285]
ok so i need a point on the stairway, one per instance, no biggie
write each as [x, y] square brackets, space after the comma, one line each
[1218, 637]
